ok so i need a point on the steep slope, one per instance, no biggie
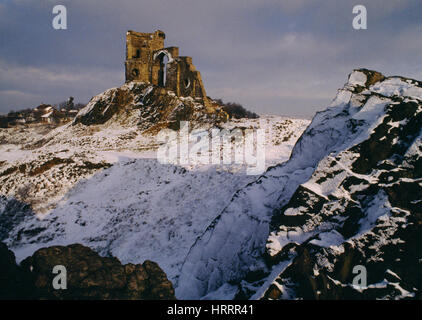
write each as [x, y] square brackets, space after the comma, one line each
[341, 189]
[361, 207]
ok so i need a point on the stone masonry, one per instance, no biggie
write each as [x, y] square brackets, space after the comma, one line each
[148, 61]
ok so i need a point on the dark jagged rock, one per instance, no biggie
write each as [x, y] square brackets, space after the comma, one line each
[14, 282]
[89, 276]
[372, 76]
[362, 205]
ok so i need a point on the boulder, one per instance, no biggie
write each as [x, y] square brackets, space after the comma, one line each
[88, 276]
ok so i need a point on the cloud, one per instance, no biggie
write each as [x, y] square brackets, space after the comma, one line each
[9, 98]
[285, 57]
[23, 86]
[64, 76]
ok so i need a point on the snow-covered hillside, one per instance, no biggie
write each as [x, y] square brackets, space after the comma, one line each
[349, 195]
[100, 184]
[339, 192]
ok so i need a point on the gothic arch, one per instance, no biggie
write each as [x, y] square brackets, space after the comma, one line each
[163, 57]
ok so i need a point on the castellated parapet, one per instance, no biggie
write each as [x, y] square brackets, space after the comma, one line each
[148, 61]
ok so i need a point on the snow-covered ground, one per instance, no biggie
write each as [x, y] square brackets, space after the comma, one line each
[109, 192]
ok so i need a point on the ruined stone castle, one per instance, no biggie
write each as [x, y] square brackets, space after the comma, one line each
[148, 61]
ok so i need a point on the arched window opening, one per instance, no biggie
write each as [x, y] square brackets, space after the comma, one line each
[162, 73]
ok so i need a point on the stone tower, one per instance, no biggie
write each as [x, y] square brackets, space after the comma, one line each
[148, 61]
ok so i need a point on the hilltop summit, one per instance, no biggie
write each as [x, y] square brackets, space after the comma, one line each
[148, 107]
[161, 89]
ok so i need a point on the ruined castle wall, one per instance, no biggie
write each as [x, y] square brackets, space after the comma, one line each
[189, 79]
[157, 68]
[173, 74]
[139, 54]
[145, 54]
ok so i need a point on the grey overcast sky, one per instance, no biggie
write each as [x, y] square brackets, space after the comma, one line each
[285, 57]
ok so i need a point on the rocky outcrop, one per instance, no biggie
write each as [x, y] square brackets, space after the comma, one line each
[350, 195]
[89, 276]
[362, 205]
[14, 282]
[147, 106]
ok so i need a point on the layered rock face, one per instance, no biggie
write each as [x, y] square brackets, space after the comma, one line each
[147, 106]
[362, 205]
[89, 276]
[349, 196]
